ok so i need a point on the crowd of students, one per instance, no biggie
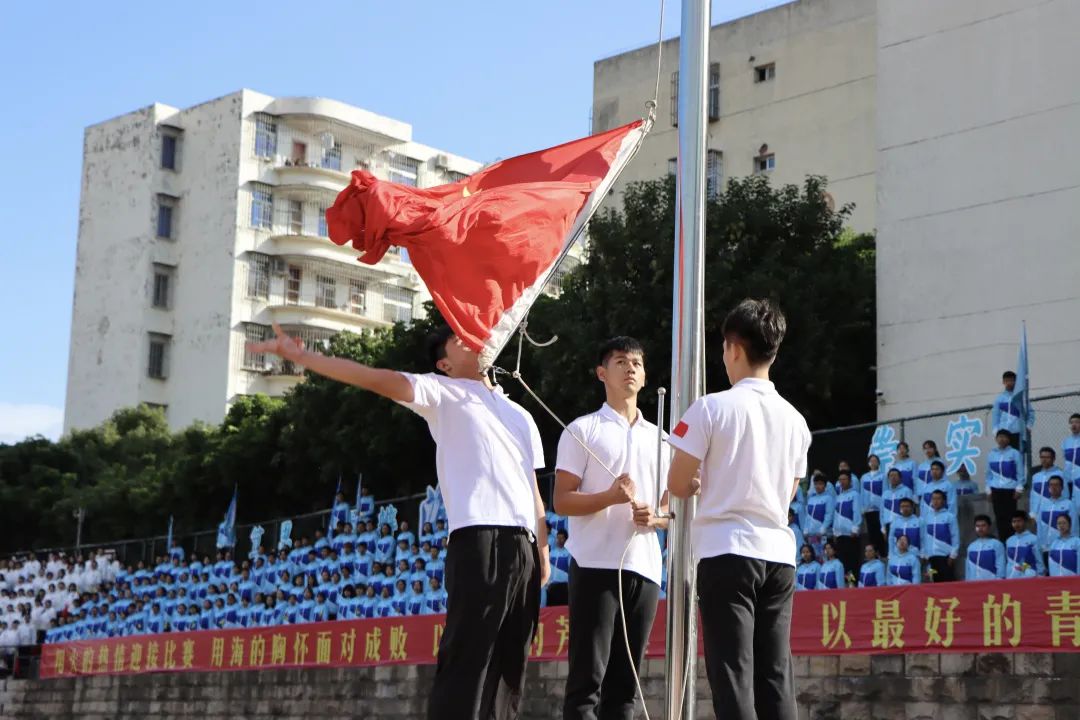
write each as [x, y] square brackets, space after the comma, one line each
[898, 526]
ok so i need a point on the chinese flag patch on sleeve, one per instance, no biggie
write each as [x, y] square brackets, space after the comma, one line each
[680, 429]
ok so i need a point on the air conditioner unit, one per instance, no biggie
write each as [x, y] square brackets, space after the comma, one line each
[277, 266]
[442, 162]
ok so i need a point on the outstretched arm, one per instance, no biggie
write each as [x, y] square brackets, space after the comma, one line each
[388, 383]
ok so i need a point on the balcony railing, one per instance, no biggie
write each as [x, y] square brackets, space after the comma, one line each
[301, 282]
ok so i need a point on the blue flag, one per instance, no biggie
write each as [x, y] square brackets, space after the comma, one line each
[359, 483]
[333, 504]
[168, 537]
[227, 529]
[1022, 389]
[256, 540]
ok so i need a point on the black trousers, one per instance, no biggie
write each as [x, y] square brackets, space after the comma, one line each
[601, 680]
[847, 552]
[873, 530]
[1004, 504]
[943, 571]
[492, 608]
[746, 626]
[557, 594]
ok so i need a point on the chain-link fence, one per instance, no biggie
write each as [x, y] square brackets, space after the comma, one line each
[1051, 426]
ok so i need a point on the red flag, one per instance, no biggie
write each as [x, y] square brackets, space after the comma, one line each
[486, 245]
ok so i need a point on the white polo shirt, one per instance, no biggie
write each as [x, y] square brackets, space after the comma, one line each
[752, 444]
[598, 540]
[487, 451]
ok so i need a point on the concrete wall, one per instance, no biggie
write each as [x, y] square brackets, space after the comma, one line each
[895, 687]
[817, 115]
[978, 198]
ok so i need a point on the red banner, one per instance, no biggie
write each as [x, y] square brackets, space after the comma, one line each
[1035, 615]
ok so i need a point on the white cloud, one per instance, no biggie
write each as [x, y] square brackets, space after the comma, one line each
[17, 422]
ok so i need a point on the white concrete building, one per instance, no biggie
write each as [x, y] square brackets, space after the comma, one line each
[198, 227]
[978, 199]
[792, 93]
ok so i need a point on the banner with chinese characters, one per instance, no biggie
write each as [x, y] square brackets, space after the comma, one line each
[1036, 615]
[1031, 615]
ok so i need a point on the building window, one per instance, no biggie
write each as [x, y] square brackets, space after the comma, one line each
[764, 73]
[323, 232]
[262, 206]
[162, 295]
[453, 177]
[714, 91]
[673, 166]
[397, 304]
[292, 285]
[296, 217]
[158, 363]
[325, 291]
[714, 173]
[265, 135]
[675, 99]
[170, 145]
[166, 213]
[357, 296]
[332, 157]
[404, 170]
[253, 333]
[764, 164]
[258, 282]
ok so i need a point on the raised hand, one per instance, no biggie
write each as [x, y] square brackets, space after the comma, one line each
[289, 348]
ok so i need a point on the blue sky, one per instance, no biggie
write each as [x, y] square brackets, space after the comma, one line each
[482, 79]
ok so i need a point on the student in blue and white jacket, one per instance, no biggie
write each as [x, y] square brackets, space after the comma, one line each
[831, 574]
[905, 465]
[1039, 486]
[1070, 457]
[1005, 480]
[985, 554]
[793, 525]
[1006, 413]
[895, 491]
[906, 524]
[1022, 554]
[820, 505]
[872, 488]
[872, 572]
[847, 523]
[1050, 509]
[940, 539]
[936, 481]
[1065, 551]
[903, 567]
[963, 484]
[922, 473]
[806, 574]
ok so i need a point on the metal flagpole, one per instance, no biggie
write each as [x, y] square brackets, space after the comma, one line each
[687, 344]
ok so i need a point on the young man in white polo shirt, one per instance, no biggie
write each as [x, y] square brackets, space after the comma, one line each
[606, 514]
[751, 447]
[488, 449]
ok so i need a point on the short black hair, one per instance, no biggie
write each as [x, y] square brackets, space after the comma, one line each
[842, 473]
[1074, 416]
[436, 343]
[984, 518]
[1021, 515]
[1067, 518]
[1053, 453]
[929, 443]
[1004, 432]
[1008, 375]
[906, 446]
[937, 462]
[907, 500]
[938, 492]
[760, 326]
[619, 343]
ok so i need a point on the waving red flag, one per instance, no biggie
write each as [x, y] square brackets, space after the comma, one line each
[486, 245]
